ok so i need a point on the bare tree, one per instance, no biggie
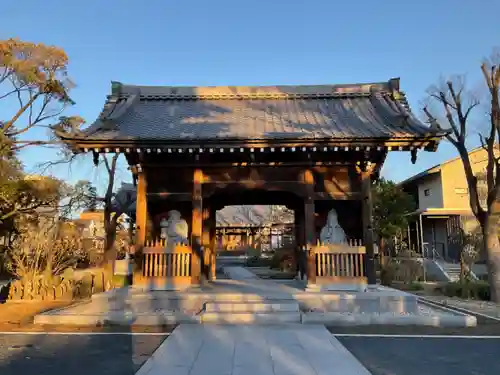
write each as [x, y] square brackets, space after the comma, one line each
[115, 205]
[451, 98]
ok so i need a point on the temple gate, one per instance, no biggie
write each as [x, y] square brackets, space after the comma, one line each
[313, 149]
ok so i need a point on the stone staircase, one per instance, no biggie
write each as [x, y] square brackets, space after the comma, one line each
[262, 312]
[452, 271]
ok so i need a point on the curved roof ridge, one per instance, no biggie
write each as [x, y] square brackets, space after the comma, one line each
[235, 92]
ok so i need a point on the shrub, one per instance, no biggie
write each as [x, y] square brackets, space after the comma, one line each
[120, 281]
[35, 254]
[283, 259]
[415, 286]
[473, 289]
[257, 261]
[387, 274]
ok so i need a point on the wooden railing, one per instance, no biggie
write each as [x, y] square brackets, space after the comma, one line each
[172, 264]
[340, 261]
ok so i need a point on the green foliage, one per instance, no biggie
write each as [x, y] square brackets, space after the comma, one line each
[120, 281]
[34, 91]
[283, 259]
[415, 286]
[390, 208]
[405, 267]
[257, 261]
[20, 193]
[474, 289]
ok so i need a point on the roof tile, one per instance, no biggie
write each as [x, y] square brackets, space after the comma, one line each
[275, 112]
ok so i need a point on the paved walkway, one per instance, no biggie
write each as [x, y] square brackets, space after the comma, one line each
[252, 350]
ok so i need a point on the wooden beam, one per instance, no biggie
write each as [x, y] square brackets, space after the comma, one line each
[365, 172]
[141, 211]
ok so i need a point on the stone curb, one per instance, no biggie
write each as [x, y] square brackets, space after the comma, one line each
[258, 318]
[116, 319]
[367, 319]
[252, 307]
[251, 318]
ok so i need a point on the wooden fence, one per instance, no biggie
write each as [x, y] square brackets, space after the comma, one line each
[170, 265]
[340, 262]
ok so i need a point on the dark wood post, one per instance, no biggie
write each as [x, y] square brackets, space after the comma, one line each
[141, 211]
[196, 227]
[309, 226]
[299, 241]
[365, 171]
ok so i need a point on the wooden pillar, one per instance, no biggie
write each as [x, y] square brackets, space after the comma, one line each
[309, 227]
[205, 242]
[365, 172]
[141, 211]
[213, 243]
[196, 227]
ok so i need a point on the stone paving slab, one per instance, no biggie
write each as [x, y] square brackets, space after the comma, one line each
[252, 350]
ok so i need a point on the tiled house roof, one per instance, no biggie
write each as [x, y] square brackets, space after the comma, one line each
[361, 111]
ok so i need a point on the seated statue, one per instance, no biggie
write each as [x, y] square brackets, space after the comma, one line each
[332, 232]
[175, 229]
[163, 228]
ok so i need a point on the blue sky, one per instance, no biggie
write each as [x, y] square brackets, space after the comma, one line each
[173, 42]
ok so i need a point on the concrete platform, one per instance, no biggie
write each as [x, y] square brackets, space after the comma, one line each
[342, 319]
[254, 300]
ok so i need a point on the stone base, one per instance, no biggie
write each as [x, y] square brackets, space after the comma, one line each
[252, 307]
[340, 319]
[251, 318]
[335, 287]
[116, 318]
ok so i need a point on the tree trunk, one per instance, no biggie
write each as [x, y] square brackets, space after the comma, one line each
[110, 252]
[492, 250]
[381, 253]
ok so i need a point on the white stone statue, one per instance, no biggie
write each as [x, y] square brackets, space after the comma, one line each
[332, 232]
[163, 228]
[176, 229]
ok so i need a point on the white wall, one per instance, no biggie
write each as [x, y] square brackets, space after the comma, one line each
[435, 197]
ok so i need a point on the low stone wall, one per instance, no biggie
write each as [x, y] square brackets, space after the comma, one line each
[62, 287]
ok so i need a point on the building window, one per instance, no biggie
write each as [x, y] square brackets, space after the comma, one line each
[461, 191]
[427, 192]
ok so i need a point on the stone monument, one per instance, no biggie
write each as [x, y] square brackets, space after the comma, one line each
[332, 232]
[176, 229]
[163, 228]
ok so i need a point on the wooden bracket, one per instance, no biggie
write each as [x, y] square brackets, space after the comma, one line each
[366, 168]
[413, 156]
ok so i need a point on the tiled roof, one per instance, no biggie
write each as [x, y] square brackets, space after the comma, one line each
[377, 110]
[251, 215]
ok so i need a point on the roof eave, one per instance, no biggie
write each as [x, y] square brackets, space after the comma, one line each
[430, 141]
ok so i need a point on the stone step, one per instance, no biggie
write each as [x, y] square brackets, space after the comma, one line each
[252, 307]
[250, 318]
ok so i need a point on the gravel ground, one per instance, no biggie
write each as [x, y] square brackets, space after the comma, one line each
[480, 330]
[416, 356]
[75, 355]
[483, 307]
